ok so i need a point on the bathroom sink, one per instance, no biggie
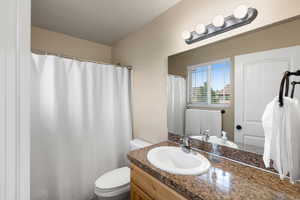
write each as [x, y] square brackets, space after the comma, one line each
[216, 140]
[175, 161]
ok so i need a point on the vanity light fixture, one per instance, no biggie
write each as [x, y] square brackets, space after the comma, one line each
[218, 21]
[241, 16]
[241, 12]
[200, 29]
[186, 35]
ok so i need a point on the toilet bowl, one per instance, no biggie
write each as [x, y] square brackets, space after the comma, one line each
[115, 184]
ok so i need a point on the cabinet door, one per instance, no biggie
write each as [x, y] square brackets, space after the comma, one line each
[151, 186]
[138, 194]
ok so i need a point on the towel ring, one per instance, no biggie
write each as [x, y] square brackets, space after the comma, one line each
[285, 82]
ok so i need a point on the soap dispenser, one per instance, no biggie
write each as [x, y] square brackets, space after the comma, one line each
[224, 137]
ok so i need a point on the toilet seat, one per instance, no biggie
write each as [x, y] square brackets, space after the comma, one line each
[113, 192]
[113, 182]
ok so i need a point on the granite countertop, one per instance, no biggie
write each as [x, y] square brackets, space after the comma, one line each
[224, 180]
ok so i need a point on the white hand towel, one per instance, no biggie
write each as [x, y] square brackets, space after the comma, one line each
[267, 125]
[293, 139]
[278, 142]
[282, 137]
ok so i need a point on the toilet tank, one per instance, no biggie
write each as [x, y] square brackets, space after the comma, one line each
[138, 144]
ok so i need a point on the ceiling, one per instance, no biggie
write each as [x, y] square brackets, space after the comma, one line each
[102, 21]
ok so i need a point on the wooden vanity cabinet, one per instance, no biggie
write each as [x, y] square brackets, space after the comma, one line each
[146, 187]
[138, 194]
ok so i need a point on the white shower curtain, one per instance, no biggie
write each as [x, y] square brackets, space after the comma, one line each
[80, 125]
[176, 104]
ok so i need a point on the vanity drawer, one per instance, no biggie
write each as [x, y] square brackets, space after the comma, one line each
[154, 188]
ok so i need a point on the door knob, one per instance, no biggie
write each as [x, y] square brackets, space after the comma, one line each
[238, 127]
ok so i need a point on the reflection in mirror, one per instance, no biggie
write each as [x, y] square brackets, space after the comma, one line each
[239, 76]
[176, 104]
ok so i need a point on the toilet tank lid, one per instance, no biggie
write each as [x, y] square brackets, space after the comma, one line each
[114, 179]
[138, 143]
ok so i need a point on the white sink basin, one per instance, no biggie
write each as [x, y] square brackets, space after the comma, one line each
[175, 161]
[216, 140]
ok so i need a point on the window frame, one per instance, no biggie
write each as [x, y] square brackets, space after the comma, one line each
[190, 68]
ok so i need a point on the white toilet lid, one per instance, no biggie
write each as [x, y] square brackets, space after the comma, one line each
[113, 179]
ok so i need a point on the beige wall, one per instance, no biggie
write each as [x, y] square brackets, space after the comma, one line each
[42, 39]
[148, 50]
[276, 36]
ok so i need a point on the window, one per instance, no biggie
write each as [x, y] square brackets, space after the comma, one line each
[209, 84]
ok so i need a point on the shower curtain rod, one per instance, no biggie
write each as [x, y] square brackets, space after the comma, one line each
[43, 52]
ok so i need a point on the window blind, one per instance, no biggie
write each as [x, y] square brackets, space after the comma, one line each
[210, 84]
[199, 85]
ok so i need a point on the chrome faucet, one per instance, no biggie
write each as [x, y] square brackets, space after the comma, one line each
[206, 135]
[185, 144]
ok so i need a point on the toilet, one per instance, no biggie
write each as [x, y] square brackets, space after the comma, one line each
[115, 184]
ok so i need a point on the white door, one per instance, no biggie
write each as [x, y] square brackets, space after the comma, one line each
[257, 81]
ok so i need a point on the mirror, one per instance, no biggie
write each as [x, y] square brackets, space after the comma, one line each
[218, 92]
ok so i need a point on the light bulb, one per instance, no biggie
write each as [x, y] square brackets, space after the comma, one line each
[240, 12]
[200, 29]
[186, 35]
[218, 21]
